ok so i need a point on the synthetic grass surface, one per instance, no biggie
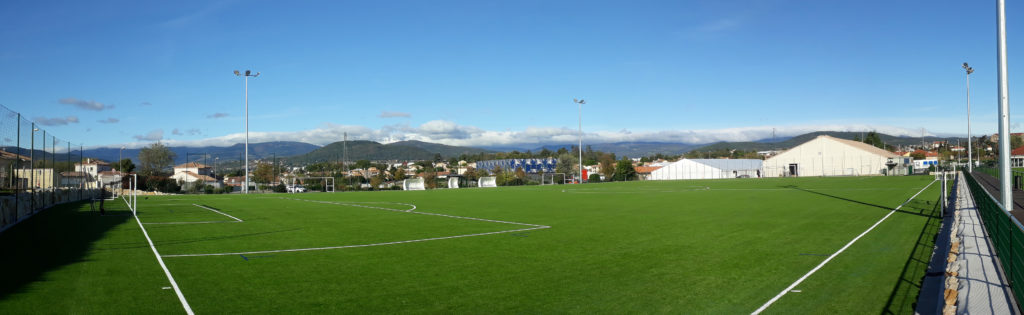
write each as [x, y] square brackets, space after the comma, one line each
[718, 246]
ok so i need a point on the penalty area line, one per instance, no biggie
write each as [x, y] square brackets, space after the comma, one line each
[822, 264]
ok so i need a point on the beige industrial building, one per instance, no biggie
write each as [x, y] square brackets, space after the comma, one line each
[830, 156]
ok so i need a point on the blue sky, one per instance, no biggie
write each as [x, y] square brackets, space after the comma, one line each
[498, 72]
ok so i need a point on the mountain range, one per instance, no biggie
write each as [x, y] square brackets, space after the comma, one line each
[299, 152]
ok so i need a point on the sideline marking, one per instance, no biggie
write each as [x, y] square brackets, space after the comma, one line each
[531, 227]
[236, 220]
[181, 296]
[822, 264]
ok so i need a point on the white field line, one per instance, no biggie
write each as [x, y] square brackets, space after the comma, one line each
[221, 213]
[360, 245]
[822, 264]
[530, 228]
[236, 220]
[174, 284]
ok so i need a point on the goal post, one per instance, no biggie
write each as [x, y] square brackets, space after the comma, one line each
[552, 178]
[453, 182]
[413, 184]
[488, 181]
[328, 182]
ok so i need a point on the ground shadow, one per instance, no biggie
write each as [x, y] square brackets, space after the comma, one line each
[854, 201]
[903, 298]
[51, 239]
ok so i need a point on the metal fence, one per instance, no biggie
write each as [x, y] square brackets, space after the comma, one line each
[1007, 235]
[37, 169]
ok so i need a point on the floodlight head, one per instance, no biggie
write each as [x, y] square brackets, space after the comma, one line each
[257, 74]
[247, 72]
[965, 65]
[237, 73]
[970, 70]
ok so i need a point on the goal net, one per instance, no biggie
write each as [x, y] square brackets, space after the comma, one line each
[489, 181]
[453, 182]
[413, 184]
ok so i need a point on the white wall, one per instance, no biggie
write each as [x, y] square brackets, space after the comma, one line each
[825, 156]
[686, 169]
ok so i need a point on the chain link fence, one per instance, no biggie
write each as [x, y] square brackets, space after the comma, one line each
[37, 169]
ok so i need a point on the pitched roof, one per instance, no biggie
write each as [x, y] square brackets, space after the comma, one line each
[646, 169]
[861, 145]
[93, 162]
[192, 165]
[1017, 151]
[10, 156]
[200, 177]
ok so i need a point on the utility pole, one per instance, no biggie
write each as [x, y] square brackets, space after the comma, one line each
[580, 104]
[1004, 109]
[970, 166]
[248, 74]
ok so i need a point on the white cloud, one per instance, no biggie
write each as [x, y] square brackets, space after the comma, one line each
[83, 104]
[451, 133]
[110, 120]
[56, 121]
[155, 135]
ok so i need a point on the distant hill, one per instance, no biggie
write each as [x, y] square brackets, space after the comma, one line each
[621, 149]
[797, 140]
[445, 150]
[229, 153]
[363, 150]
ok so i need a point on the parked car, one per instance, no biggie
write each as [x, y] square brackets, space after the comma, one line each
[296, 189]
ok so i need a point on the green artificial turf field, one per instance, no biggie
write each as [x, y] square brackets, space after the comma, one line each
[702, 246]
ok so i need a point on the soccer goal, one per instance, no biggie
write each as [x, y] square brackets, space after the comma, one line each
[549, 179]
[488, 181]
[413, 184]
[327, 182]
[453, 182]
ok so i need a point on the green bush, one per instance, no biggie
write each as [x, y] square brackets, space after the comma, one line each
[594, 178]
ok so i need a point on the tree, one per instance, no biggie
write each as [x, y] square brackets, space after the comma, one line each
[1016, 142]
[567, 164]
[917, 155]
[155, 158]
[607, 166]
[481, 173]
[363, 164]
[264, 173]
[400, 174]
[125, 164]
[376, 181]
[521, 174]
[624, 170]
[874, 139]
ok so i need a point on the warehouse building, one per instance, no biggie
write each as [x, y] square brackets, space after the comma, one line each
[830, 156]
[708, 169]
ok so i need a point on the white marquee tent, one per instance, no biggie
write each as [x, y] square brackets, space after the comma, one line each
[708, 169]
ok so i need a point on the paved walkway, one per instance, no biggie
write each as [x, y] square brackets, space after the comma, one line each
[980, 285]
[991, 184]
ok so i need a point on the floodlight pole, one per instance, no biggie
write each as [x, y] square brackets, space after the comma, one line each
[1006, 194]
[969, 70]
[580, 103]
[248, 73]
